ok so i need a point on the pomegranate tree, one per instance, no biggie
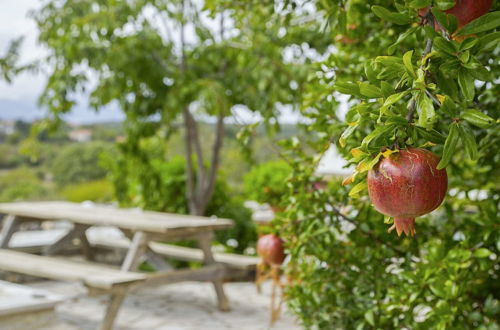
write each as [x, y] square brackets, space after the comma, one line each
[406, 185]
[270, 249]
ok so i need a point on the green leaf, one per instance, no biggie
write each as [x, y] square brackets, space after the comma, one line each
[370, 91]
[449, 107]
[354, 192]
[370, 318]
[430, 135]
[425, 110]
[348, 88]
[447, 85]
[444, 45]
[468, 44]
[484, 23]
[380, 130]
[401, 38]
[396, 18]
[418, 4]
[482, 253]
[477, 118]
[408, 64]
[445, 4]
[469, 141]
[449, 22]
[347, 132]
[466, 83]
[489, 41]
[449, 146]
[391, 100]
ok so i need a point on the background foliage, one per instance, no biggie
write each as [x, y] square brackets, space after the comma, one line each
[267, 182]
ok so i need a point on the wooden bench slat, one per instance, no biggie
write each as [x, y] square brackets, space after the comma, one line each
[90, 274]
[182, 253]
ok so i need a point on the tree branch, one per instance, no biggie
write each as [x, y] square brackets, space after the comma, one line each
[214, 166]
[200, 173]
[190, 193]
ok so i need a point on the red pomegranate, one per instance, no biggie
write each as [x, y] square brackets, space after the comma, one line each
[407, 185]
[270, 248]
[465, 10]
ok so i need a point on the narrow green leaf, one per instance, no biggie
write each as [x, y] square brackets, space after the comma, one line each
[408, 64]
[347, 88]
[370, 318]
[445, 4]
[449, 22]
[391, 100]
[484, 23]
[347, 132]
[468, 43]
[444, 45]
[477, 118]
[466, 83]
[449, 107]
[425, 110]
[401, 38]
[449, 146]
[380, 130]
[370, 91]
[469, 142]
[482, 253]
[489, 41]
[430, 135]
[357, 189]
[396, 18]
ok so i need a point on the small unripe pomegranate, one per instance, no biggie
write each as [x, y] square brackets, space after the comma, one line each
[270, 249]
[464, 10]
[407, 185]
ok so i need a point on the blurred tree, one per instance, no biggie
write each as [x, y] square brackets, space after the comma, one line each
[9, 62]
[79, 162]
[170, 64]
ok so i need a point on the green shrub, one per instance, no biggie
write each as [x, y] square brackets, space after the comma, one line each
[267, 182]
[79, 162]
[159, 185]
[23, 184]
[96, 191]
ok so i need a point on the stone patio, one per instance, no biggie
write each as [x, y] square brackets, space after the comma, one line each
[183, 306]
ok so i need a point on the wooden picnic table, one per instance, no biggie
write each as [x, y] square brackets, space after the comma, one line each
[141, 227]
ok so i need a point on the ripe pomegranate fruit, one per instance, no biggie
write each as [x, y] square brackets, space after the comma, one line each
[270, 249]
[407, 185]
[464, 10]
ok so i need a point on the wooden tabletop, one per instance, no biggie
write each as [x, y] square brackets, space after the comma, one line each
[98, 215]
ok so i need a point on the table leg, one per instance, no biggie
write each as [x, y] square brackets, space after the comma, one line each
[136, 251]
[205, 243]
[78, 232]
[114, 305]
[157, 261]
[9, 227]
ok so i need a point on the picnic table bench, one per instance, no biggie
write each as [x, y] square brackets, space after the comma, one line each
[141, 227]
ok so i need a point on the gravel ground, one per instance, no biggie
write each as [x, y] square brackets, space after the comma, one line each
[182, 306]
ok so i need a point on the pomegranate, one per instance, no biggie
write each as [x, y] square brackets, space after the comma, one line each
[464, 10]
[270, 248]
[407, 185]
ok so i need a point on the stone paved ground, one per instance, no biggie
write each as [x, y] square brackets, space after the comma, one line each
[182, 306]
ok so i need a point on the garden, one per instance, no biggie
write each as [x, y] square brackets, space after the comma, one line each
[232, 104]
